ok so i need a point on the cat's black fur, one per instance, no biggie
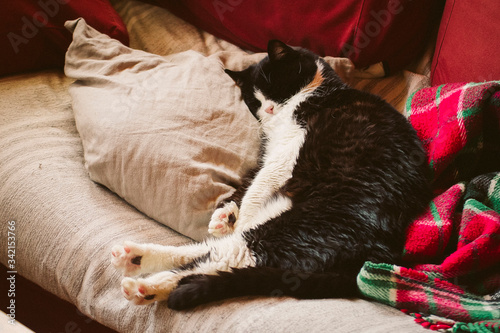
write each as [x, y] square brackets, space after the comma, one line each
[359, 180]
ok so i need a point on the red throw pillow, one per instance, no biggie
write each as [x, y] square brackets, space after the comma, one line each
[468, 43]
[33, 33]
[367, 32]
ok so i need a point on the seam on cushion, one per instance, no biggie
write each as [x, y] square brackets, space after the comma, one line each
[357, 23]
[438, 55]
[115, 30]
[112, 13]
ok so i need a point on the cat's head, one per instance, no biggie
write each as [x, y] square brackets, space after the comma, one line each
[285, 72]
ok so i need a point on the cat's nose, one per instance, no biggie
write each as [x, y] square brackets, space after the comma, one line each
[270, 109]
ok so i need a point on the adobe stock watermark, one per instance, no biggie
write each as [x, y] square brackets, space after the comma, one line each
[11, 273]
[222, 7]
[380, 19]
[32, 25]
[74, 327]
[142, 95]
[292, 280]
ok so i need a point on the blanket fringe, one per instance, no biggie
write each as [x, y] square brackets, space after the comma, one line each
[440, 324]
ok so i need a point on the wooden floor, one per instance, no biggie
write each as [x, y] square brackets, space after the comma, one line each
[42, 312]
[6, 325]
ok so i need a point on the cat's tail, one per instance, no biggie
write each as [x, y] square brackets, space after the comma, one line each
[194, 290]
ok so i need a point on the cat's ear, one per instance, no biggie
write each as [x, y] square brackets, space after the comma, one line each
[238, 77]
[276, 49]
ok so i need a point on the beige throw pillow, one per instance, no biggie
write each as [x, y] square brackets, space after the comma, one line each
[170, 135]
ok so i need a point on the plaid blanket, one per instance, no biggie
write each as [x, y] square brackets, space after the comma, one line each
[452, 251]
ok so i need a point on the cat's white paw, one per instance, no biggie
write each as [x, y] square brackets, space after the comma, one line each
[137, 292]
[146, 291]
[127, 258]
[223, 219]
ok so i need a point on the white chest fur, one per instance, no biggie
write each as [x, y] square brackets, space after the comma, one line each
[285, 137]
[284, 141]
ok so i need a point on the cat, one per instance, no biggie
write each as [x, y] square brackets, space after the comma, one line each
[341, 175]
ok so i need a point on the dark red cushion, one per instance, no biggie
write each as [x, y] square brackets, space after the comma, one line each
[33, 33]
[367, 32]
[468, 43]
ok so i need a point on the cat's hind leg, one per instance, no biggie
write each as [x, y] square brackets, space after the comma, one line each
[133, 259]
[154, 288]
[224, 254]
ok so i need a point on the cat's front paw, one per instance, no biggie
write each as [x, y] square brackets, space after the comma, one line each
[223, 219]
[127, 258]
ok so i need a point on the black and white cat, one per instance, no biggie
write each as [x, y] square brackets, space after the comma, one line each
[341, 175]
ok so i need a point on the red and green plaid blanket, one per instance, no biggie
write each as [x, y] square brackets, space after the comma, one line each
[451, 281]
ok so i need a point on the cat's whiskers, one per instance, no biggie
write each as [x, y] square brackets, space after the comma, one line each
[268, 80]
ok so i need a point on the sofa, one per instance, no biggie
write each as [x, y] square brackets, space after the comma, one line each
[72, 187]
